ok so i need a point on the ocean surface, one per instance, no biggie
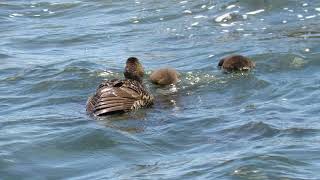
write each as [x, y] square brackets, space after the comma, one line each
[261, 125]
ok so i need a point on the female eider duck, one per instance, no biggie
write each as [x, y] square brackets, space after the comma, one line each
[119, 96]
[236, 63]
[164, 76]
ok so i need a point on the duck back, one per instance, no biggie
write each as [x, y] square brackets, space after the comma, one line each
[118, 96]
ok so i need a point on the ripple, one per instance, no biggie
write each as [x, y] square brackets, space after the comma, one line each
[299, 132]
[210, 125]
[304, 34]
[283, 63]
[253, 130]
[4, 56]
[45, 41]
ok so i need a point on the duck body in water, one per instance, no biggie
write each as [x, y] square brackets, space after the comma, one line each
[164, 76]
[119, 96]
[236, 63]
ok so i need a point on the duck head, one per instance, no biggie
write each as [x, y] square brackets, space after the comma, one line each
[133, 69]
[164, 76]
[236, 63]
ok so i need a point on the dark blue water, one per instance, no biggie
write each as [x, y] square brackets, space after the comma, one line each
[259, 125]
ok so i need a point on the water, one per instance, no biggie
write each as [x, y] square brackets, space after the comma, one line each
[259, 125]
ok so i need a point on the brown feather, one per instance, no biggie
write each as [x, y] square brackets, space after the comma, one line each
[164, 76]
[118, 96]
[236, 63]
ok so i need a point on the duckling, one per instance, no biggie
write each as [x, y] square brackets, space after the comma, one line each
[119, 96]
[164, 76]
[236, 63]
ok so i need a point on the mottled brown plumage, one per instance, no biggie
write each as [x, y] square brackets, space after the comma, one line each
[118, 96]
[236, 63]
[164, 76]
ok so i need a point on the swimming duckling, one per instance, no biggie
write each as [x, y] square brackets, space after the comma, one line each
[164, 76]
[236, 63]
[118, 96]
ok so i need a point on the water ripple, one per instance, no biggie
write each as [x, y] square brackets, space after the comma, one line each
[211, 125]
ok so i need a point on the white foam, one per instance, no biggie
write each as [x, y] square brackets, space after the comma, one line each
[236, 171]
[310, 17]
[200, 16]
[16, 15]
[226, 16]
[187, 11]
[226, 25]
[231, 6]
[105, 73]
[195, 24]
[255, 12]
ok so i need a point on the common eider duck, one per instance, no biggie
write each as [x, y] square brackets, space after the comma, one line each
[164, 76]
[236, 63]
[119, 96]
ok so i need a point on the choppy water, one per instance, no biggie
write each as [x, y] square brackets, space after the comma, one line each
[261, 125]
